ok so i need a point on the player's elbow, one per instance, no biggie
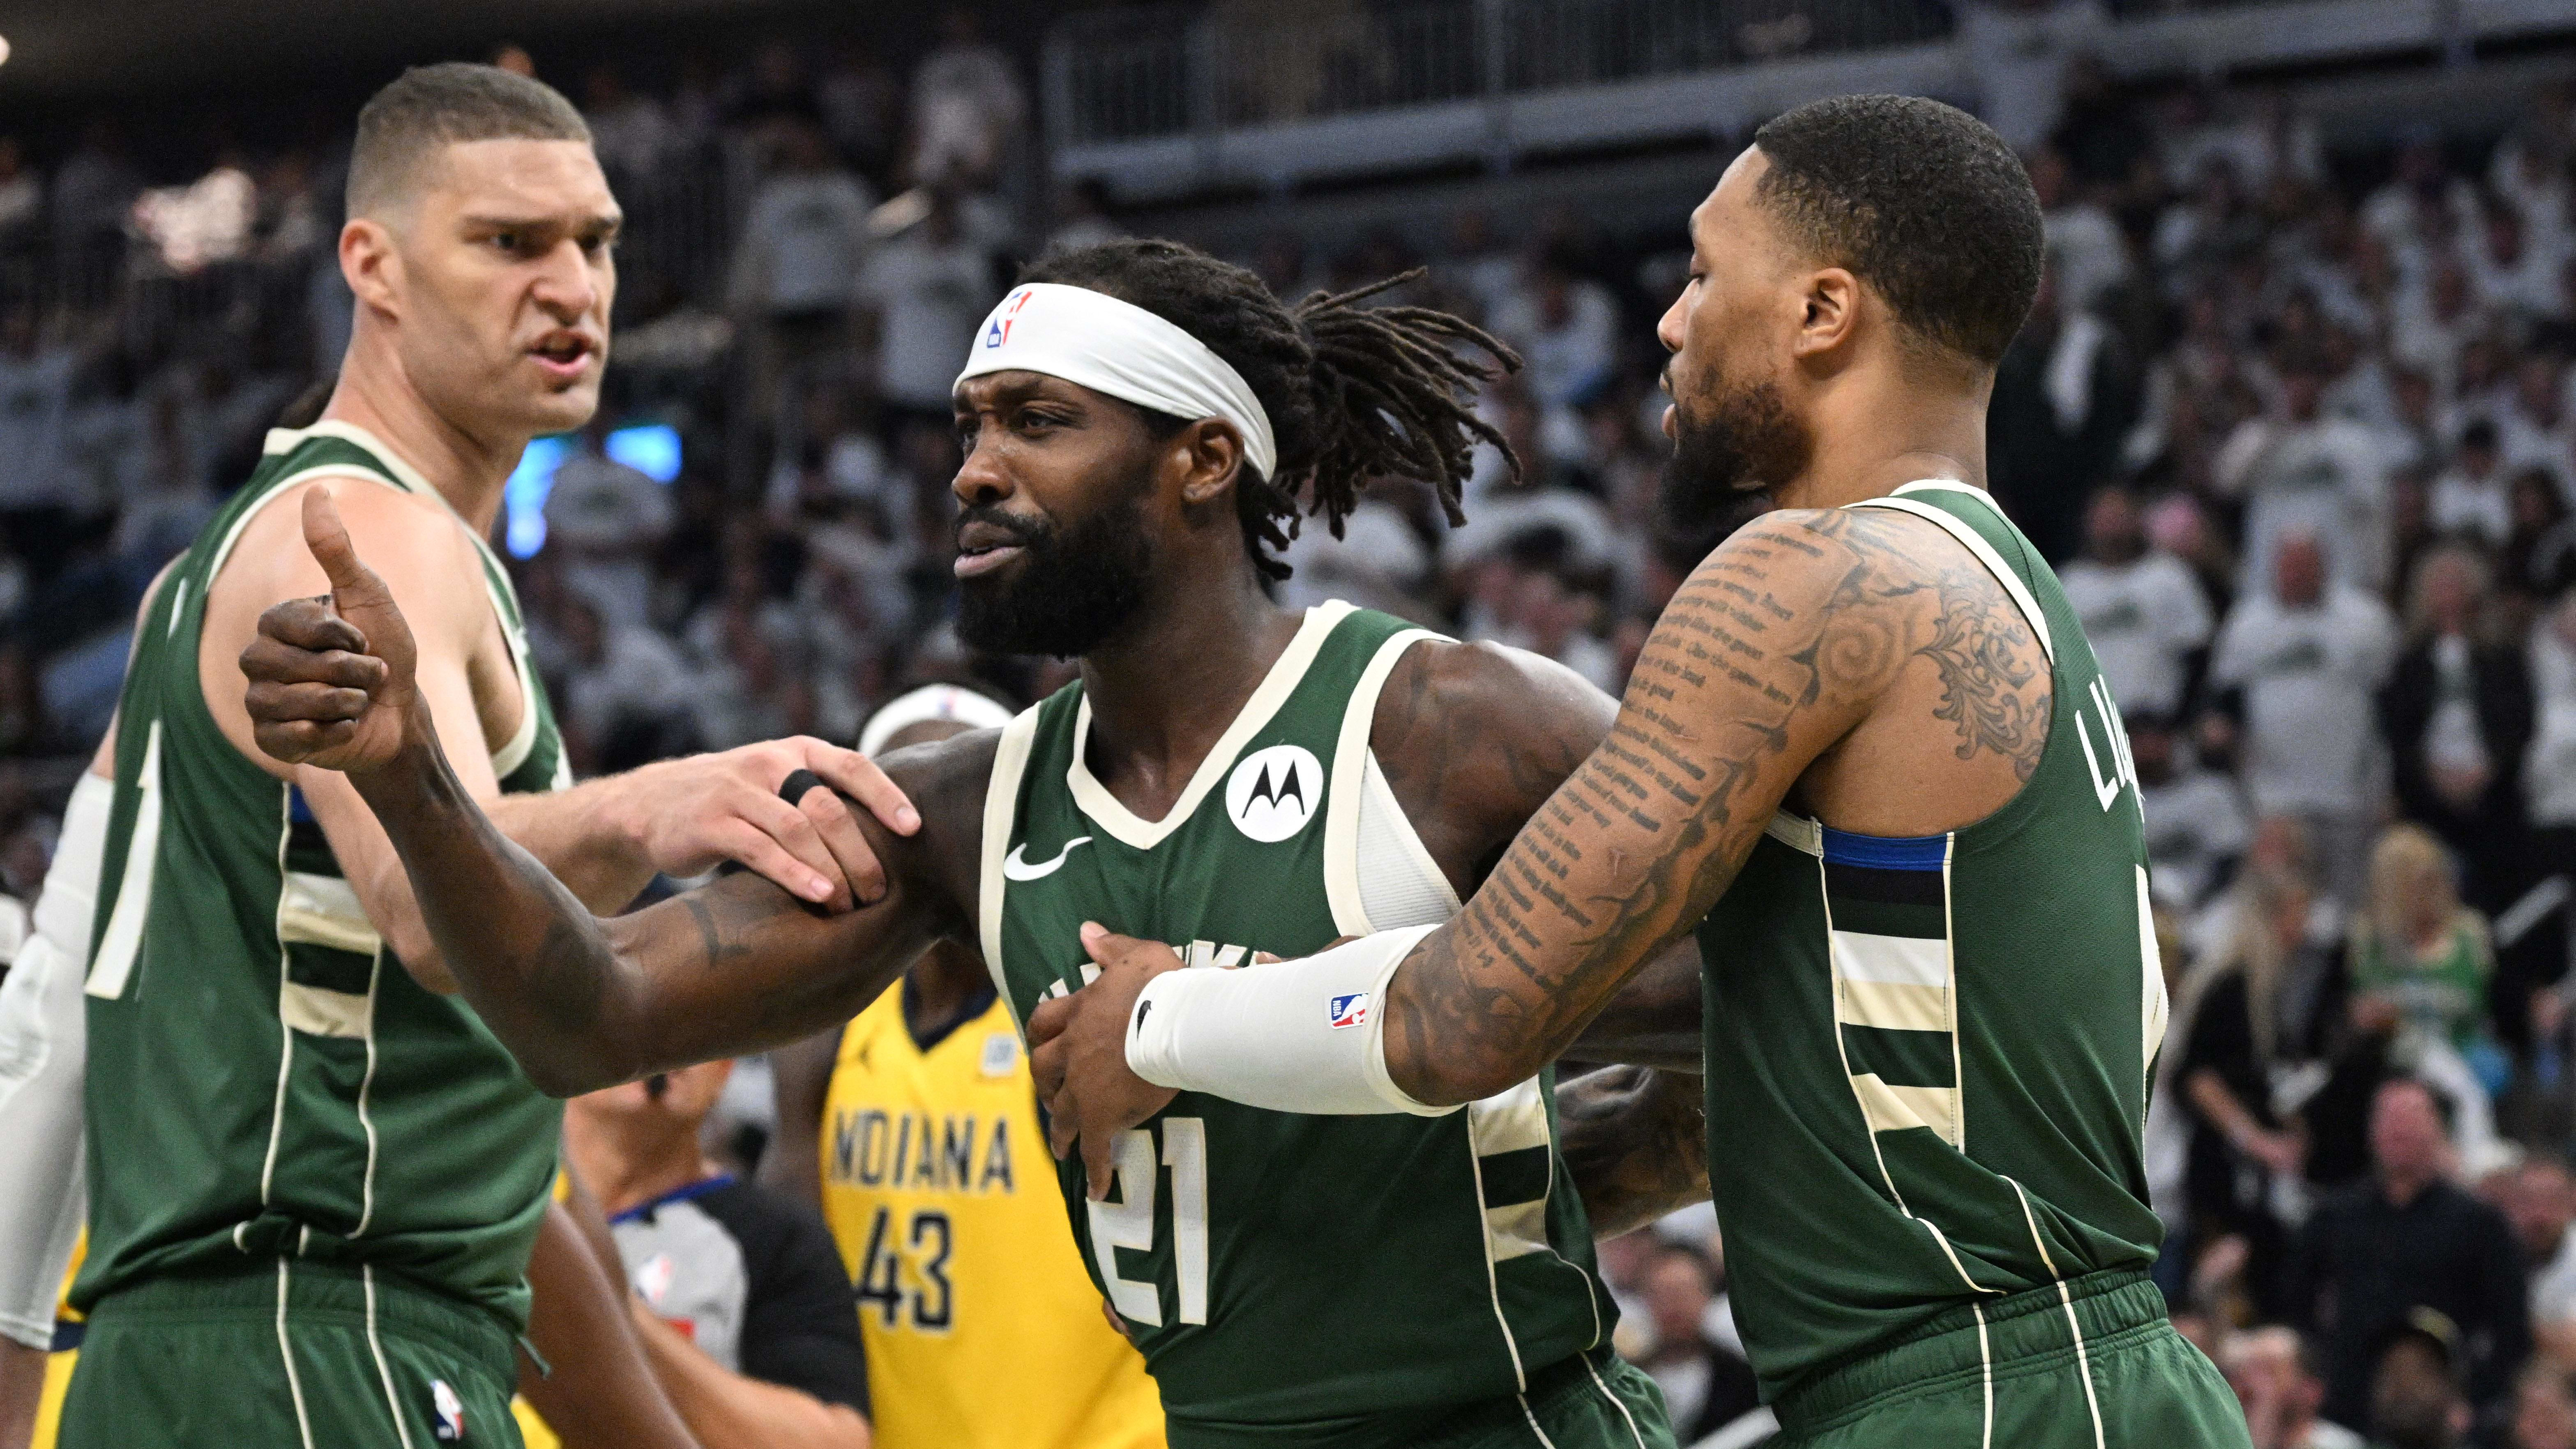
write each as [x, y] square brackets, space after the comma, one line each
[577, 1067]
[1450, 1084]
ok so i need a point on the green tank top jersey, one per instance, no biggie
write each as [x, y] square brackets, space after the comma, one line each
[1291, 1279]
[265, 1080]
[1928, 1057]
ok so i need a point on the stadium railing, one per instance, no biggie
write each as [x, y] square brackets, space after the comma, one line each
[1166, 100]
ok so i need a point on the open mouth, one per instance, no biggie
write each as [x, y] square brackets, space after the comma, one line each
[983, 547]
[563, 354]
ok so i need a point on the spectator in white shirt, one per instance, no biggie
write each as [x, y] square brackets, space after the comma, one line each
[2309, 655]
[629, 130]
[1566, 327]
[2143, 609]
[2421, 209]
[2276, 1376]
[608, 519]
[2303, 472]
[2472, 495]
[929, 287]
[2549, 764]
[2533, 425]
[2433, 319]
[2085, 243]
[2197, 825]
[627, 692]
[2514, 272]
[966, 106]
[795, 268]
[2018, 52]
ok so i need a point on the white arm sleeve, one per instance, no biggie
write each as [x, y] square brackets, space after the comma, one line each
[1291, 1036]
[44, 1044]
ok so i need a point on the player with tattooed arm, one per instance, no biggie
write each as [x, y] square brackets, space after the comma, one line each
[1143, 427]
[1868, 758]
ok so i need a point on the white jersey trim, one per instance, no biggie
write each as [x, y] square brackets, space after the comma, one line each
[1001, 809]
[1093, 798]
[1349, 816]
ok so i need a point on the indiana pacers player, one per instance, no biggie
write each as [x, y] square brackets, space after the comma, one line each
[1143, 424]
[314, 1179]
[915, 1130]
[1869, 759]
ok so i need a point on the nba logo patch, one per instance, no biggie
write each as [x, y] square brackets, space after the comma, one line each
[654, 1278]
[447, 1413]
[999, 330]
[1351, 1010]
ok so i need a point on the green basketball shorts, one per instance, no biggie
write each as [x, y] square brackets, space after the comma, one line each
[1590, 1401]
[294, 1356]
[2098, 1368]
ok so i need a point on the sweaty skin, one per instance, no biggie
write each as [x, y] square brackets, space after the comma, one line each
[1861, 665]
[1471, 738]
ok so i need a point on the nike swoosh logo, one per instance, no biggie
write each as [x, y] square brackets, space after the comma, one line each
[1015, 866]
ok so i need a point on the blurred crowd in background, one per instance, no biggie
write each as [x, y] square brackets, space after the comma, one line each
[2298, 428]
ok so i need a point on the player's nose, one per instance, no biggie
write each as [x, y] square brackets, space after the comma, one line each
[982, 477]
[567, 286]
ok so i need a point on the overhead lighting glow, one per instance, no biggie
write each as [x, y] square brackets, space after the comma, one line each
[4, 50]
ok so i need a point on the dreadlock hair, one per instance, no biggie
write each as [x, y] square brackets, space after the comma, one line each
[1353, 394]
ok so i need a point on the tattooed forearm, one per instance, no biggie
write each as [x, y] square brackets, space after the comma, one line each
[1636, 1141]
[1775, 648]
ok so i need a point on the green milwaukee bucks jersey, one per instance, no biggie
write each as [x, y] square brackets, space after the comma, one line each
[1291, 1279]
[1928, 1057]
[265, 1080]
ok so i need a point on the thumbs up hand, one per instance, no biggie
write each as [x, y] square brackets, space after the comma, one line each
[331, 677]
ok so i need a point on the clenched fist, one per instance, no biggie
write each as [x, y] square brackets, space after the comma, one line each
[331, 677]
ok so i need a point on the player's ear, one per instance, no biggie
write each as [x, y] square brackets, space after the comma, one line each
[1828, 310]
[1213, 452]
[370, 264]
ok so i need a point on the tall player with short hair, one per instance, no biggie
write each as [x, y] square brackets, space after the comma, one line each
[314, 1177]
[1144, 424]
[1868, 759]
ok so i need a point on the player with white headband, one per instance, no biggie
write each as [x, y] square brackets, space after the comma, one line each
[1144, 427]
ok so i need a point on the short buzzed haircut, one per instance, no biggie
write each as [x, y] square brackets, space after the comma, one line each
[432, 106]
[1922, 201]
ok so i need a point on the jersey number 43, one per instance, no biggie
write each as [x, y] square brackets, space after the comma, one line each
[933, 1302]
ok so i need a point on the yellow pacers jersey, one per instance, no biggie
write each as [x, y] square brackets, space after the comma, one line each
[983, 1331]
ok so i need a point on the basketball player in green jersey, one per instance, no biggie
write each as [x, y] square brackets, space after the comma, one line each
[1868, 758]
[1142, 423]
[314, 1178]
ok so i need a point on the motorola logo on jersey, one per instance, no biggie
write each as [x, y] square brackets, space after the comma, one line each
[1274, 792]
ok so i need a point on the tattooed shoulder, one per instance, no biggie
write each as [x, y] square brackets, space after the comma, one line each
[1948, 610]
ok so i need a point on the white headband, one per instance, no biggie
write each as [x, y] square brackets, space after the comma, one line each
[1096, 341]
[930, 702]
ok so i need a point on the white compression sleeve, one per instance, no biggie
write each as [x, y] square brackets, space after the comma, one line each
[1291, 1036]
[44, 1047]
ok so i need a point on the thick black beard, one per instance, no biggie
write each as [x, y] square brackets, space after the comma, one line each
[1722, 469]
[1074, 588]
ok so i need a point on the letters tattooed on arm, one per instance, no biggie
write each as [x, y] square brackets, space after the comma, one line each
[1779, 644]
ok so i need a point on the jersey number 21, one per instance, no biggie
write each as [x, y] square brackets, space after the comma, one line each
[1128, 1222]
